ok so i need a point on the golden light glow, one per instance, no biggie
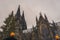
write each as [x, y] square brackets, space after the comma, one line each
[57, 36]
[12, 34]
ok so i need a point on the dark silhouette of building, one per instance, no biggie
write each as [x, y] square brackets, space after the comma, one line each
[42, 30]
[21, 19]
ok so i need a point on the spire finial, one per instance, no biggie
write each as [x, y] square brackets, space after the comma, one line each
[12, 12]
[23, 14]
[53, 22]
[41, 17]
[18, 12]
[33, 27]
[36, 20]
[45, 18]
[19, 6]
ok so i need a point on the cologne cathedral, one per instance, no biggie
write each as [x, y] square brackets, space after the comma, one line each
[44, 30]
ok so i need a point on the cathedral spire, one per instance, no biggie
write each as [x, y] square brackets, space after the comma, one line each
[33, 27]
[41, 17]
[23, 15]
[36, 20]
[23, 21]
[45, 18]
[53, 23]
[18, 15]
[11, 15]
[12, 12]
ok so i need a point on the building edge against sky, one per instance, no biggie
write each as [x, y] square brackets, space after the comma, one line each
[23, 16]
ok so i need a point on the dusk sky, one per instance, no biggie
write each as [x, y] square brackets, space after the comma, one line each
[32, 8]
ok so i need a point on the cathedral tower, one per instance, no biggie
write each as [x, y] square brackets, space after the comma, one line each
[21, 19]
[24, 25]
